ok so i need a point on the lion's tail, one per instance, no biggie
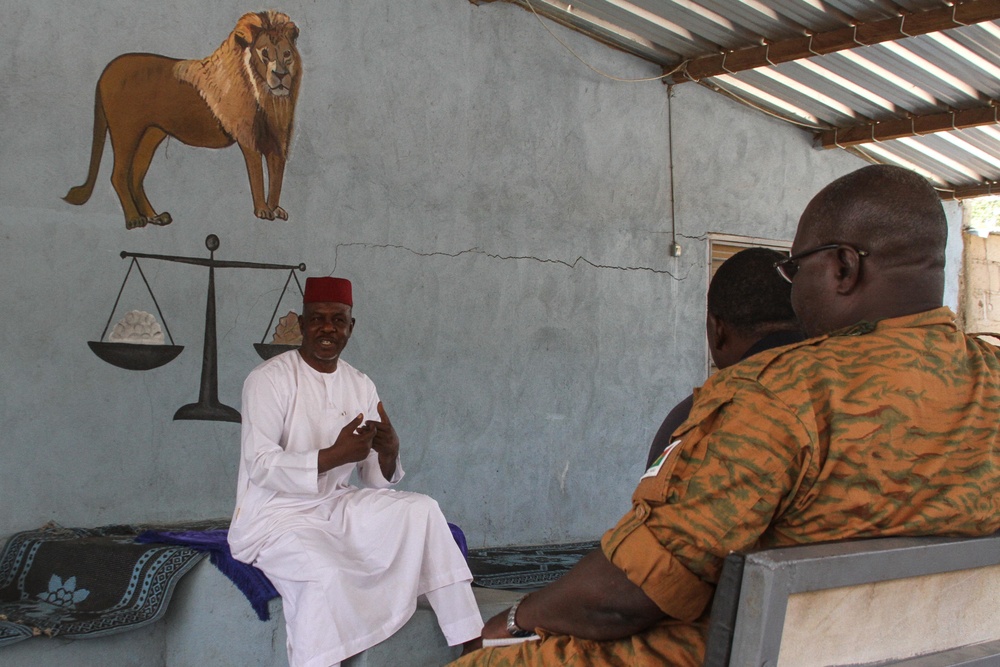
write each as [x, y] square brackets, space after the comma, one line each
[81, 193]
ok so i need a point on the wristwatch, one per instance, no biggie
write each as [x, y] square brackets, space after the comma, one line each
[512, 627]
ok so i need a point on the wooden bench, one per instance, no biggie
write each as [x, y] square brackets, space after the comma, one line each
[907, 602]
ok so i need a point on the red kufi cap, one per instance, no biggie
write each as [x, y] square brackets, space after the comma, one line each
[327, 289]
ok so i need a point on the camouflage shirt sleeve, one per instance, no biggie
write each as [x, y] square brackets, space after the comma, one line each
[731, 468]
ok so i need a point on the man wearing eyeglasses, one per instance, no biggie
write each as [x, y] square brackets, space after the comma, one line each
[885, 422]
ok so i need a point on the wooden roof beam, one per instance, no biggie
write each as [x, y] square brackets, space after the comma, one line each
[970, 191]
[822, 43]
[915, 126]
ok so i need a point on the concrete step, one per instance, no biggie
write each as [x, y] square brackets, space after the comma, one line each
[210, 623]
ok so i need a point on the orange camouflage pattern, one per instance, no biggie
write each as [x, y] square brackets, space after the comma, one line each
[877, 430]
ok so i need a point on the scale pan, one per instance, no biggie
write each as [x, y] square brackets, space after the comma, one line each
[135, 356]
[268, 350]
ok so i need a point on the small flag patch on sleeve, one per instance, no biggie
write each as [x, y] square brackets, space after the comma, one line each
[654, 469]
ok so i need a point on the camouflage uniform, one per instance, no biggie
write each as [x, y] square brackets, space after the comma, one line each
[880, 429]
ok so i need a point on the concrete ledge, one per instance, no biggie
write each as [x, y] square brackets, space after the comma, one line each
[210, 623]
[137, 648]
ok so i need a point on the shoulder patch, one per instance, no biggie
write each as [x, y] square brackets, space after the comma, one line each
[654, 469]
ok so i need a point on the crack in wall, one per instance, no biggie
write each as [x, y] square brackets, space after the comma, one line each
[478, 251]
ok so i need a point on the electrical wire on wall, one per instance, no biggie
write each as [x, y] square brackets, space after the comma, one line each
[675, 248]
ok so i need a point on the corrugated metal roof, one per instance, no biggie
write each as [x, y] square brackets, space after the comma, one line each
[908, 82]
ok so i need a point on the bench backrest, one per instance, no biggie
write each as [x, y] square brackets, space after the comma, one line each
[913, 602]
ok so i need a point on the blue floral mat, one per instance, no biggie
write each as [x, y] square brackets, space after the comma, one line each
[87, 582]
[527, 566]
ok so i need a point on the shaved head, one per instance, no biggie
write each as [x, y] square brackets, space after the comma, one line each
[889, 211]
[886, 232]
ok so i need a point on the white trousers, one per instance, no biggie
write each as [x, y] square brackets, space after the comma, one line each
[457, 612]
[451, 606]
[350, 575]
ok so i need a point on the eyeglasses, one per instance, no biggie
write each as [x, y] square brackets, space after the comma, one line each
[788, 267]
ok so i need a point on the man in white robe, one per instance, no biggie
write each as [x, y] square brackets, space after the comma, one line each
[348, 562]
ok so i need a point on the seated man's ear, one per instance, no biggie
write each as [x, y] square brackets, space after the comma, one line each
[725, 344]
[848, 270]
[717, 334]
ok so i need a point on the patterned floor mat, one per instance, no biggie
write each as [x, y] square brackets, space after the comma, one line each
[526, 566]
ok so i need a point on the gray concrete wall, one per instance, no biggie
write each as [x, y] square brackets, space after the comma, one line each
[502, 210]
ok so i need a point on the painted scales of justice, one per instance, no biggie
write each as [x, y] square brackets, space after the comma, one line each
[144, 356]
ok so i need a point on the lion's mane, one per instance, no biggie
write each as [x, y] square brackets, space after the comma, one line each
[237, 93]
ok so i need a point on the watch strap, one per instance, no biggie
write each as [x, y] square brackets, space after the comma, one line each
[513, 629]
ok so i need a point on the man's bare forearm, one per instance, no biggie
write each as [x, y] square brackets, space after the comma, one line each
[595, 600]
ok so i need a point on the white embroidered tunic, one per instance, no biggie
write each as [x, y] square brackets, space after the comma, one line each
[349, 562]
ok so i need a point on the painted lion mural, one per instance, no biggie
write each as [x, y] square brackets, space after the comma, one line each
[244, 93]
